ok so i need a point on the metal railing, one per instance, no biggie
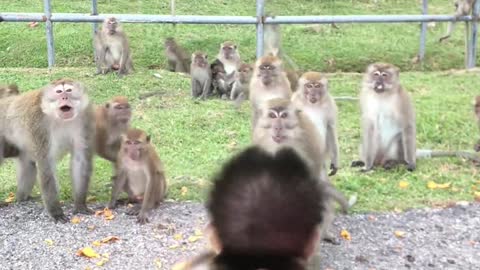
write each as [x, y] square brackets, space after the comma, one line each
[259, 20]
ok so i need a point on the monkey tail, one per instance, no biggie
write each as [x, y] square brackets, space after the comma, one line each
[427, 153]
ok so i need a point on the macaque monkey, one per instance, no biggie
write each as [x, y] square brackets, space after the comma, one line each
[112, 120]
[476, 110]
[218, 78]
[462, 8]
[140, 173]
[388, 120]
[229, 58]
[10, 90]
[242, 202]
[44, 125]
[243, 75]
[201, 75]
[178, 60]
[272, 44]
[314, 100]
[112, 49]
[268, 82]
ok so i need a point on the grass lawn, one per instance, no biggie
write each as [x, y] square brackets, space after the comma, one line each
[194, 138]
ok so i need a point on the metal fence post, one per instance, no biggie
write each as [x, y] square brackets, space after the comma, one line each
[423, 33]
[172, 11]
[474, 36]
[260, 18]
[49, 32]
[94, 25]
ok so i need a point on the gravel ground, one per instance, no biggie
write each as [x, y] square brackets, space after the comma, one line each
[434, 239]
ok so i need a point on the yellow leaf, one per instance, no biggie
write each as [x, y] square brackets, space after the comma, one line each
[106, 255]
[444, 186]
[158, 264]
[431, 185]
[108, 214]
[345, 235]
[184, 191]
[91, 227]
[129, 205]
[174, 246]
[198, 232]
[75, 220]
[101, 262]
[178, 236]
[194, 238]
[403, 184]
[180, 266]
[49, 242]
[96, 243]
[110, 239]
[400, 234]
[87, 252]
[10, 198]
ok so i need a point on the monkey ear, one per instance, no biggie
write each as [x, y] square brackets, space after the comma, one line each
[148, 138]
[107, 105]
[235, 47]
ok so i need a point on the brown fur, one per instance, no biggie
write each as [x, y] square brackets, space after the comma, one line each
[178, 60]
[227, 62]
[476, 110]
[317, 104]
[240, 88]
[201, 75]
[29, 126]
[462, 8]
[143, 178]
[9, 90]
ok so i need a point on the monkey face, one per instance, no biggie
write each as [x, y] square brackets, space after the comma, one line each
[280, 121]
[267, 72]
[229, 51]
[64, 100]
[120, 112]
[200, 60]
[314, 91]
[245, 73]
[111, 25]
[134, 144]
[382, 77]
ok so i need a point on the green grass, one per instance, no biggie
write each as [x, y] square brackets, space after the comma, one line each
[349, 48]
[194, 138]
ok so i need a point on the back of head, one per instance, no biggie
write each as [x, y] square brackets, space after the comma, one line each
[265, 209]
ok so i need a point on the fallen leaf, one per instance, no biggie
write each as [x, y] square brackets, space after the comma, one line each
[403, 184]
[178, 236]
[184, 191]
[96, 243]
[476, 194]
[87, 252]
[400, 234]
[397, 210]
[101, 262]
[180, 266]
[75, 220]
[99, 213]
[106, 255]
[198, 232]
[345, 235]
[110, 239]
[158, 263]
[10, 198]
[431, 185]
[194, 238]
[174, 246]
[49, 242]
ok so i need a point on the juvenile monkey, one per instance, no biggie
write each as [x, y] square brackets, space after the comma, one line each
[9, 90]
[462, 8]
[268, 82]
[282, 125]
[44, 125]
[112, 49]
[228, 60]
[314, 100]
[240, 91]
[140, 173]
[178, 60]
[388, 120]
[112, 120]
[201, 75]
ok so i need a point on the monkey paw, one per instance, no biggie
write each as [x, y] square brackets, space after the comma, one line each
[142, 219]
[83, 210]
[60, 218]
[330, 238]
[411, 167]
[133, 211]
[358, 163]
[333, 169]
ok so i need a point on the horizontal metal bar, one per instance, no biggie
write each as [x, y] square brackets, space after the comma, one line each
[194, 19]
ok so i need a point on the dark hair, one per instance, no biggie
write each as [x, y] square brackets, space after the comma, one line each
[265, 207]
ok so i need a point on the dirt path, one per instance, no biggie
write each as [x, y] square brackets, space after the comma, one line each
[434, 239]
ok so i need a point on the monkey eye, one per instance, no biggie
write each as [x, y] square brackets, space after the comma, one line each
[129, 142]
[309, 85]
[284, 115]
[272, 115]
[376, 73]
[384, 74]
[58, 91]
[69, 90]
[318, 85]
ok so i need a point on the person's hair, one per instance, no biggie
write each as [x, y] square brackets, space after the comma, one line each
[265, 207]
